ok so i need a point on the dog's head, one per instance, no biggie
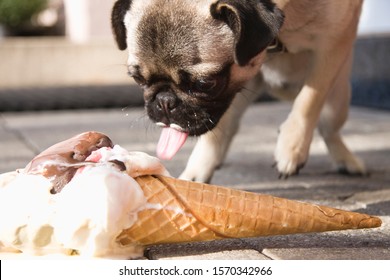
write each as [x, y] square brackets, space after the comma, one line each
[192, 57]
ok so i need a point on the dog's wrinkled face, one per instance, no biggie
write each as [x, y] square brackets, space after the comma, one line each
[184, 75]
[191, 57]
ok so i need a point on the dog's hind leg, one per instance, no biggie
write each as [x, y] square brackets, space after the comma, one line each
[332, 118]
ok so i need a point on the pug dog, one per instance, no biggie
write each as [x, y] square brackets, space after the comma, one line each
[195, 60]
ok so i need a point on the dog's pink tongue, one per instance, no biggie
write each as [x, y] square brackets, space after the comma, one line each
[171, 140]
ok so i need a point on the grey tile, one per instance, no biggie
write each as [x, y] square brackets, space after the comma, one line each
[329, 254]
[222, 255]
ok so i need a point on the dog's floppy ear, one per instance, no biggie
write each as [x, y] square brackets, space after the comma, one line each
[117, 22]
[255, 24]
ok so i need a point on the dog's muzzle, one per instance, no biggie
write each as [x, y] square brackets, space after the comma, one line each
[166, 114]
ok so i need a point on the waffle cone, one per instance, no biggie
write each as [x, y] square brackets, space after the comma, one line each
[183, 211]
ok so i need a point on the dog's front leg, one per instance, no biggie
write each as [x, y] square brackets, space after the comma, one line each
[296, 132]
[211, 148]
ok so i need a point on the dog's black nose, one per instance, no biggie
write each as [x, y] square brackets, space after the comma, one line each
[166, 102]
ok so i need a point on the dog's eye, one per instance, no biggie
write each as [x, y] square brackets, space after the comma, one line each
[138, 79]
[205, 85]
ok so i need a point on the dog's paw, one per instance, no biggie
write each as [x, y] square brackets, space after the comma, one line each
[352, 165]
[206, 157]
[292, 147]
[287, 169]
[190, 174]
[199, 168]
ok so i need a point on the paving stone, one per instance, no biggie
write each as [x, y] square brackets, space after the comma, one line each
[328, 254]
[223, 255]
[207, 248]
[45, 129]
[14, 150]
[329, 245]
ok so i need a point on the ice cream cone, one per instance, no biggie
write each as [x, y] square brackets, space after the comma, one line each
[183, 211]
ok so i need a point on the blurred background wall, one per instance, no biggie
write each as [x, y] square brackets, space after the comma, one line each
[62, 56]
[53, 50]
[69, 42]
[371, 69]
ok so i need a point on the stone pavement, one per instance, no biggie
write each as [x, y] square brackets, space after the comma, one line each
[249, 167]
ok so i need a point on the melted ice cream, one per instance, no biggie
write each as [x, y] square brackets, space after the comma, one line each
[92, 209]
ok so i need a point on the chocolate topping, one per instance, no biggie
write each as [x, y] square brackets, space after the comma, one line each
[55, 163]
